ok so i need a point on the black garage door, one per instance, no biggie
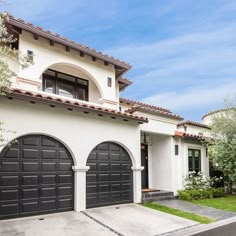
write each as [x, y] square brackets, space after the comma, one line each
[36, 177]
[109, 180]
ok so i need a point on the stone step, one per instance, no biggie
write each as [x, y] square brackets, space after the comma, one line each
[157, 196]
[162, 198]
[157, 193]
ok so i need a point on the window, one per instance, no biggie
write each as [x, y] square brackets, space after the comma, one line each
[194, 160]
[65, 85]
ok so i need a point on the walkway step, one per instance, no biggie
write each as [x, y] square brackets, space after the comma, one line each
[157, 196]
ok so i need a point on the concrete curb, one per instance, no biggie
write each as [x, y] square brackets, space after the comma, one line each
[219, 228]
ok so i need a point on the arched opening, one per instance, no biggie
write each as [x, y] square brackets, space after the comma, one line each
[36, 177]
[109, 180]
[71, 81]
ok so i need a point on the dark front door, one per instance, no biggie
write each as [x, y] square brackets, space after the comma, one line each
[36, 177]
[109, 180]
[144, 163]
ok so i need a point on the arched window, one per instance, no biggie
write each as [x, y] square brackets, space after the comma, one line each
[65, 85]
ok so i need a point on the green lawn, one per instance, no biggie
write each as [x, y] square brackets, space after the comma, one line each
[227, 203]
[183, 214]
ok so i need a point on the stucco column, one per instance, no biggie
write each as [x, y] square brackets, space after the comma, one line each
[137, 183]
[80, 187]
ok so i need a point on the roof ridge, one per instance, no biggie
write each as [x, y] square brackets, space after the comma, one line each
[193, 123]
[144, 104]
[92, 50]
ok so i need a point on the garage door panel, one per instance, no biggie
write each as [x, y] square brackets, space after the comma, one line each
[30, 153]
[9, 195]
[47, 166]
[9, 209]
[48, 192]
[115, 177]
[12, 153]
[105, 178]
[49, 179]
[30, 207]
[103, 166]
[102, 156]
[64, 155]
[92, 178]
[115, 156]
[9, 180]
[49, 154]
[30, 166]
[91, 189]
[30, 193]
[36, 177]
[65, 203]
[10, 166]
[31, 141]
[65, 166]
[48, 142]
[64, 191]
[115, 167]
[30, 180]
[48, 205]
[65, 179]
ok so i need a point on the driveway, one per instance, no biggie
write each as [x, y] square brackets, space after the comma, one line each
[127, 220]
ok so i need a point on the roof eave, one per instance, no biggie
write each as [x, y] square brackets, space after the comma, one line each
[71, 44]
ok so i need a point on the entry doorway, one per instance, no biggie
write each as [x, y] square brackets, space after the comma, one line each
[144, 163]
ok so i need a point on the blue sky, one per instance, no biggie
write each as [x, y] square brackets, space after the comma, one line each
[183, 52]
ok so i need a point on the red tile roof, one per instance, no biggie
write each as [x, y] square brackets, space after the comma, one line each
[38, 30]
[193, 123]
[143, 107]
[186, 135]
[70, 104]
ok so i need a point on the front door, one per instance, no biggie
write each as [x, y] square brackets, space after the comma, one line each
[144, 163]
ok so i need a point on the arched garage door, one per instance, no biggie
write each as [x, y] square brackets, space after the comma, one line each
[36, 177]
[109, 180]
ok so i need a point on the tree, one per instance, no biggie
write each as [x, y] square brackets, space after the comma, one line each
[7, 53]
[222, 144]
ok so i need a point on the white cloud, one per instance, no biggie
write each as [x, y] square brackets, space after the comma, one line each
[194, 98]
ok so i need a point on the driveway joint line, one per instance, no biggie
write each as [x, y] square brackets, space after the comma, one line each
[104, 225]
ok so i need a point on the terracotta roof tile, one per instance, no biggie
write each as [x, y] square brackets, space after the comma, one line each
[48, 34]
[188, 122]
[187, 135]
[45, 98]
[126, 100]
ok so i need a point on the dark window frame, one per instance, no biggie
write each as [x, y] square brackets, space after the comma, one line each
[76, 84]
[193, 158]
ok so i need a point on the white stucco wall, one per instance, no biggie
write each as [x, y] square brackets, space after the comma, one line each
[191, 129]
[160, 163]
[46, 56]
[79, 132]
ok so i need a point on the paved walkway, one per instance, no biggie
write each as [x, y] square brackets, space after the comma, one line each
[197, 209]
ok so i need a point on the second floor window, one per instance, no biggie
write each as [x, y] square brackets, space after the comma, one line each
[194, 160]
[65, 85]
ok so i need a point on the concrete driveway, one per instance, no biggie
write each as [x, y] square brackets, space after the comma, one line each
[127, 220]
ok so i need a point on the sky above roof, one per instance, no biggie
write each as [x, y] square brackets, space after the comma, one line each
[182, 52]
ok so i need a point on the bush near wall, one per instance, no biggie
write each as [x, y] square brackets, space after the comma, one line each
[195, 194]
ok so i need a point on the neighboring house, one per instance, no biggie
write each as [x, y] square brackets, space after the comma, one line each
[78, 144]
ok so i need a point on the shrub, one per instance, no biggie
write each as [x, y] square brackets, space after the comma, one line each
[197, 181]
[195, 194]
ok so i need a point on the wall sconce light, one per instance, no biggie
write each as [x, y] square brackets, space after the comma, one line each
[176, 150]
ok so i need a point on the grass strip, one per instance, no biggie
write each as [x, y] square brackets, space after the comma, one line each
[227, 203]
[183, 214]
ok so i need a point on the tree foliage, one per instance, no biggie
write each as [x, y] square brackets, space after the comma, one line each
[222, 145]
[8, 53]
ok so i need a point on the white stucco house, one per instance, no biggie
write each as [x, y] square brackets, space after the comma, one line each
[78, 143]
